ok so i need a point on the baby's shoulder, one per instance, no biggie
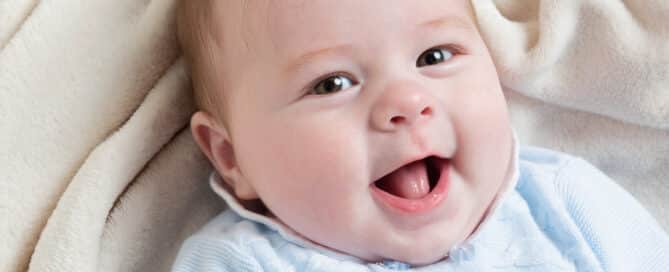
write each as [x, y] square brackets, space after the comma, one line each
[542, 161]
[228, 225]
[582, 199]
[230, 242]
[569, 182]
[557, 172]
[226, 243]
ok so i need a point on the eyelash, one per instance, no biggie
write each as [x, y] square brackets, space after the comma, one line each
[456, 49]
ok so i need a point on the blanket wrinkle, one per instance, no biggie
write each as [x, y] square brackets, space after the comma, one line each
[13, 14]
[117, 203]
[57, 60]
[576, 40]
[173, 195]
[134, 112]
[105, 174]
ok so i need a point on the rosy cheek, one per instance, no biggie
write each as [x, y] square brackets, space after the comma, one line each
[302, 152]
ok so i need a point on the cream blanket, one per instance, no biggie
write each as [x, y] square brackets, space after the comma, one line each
[99, 172]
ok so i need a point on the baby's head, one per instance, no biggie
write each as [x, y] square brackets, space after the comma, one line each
[376, 128]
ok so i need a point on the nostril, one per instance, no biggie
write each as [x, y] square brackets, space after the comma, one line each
[397, 119]
[426, 111]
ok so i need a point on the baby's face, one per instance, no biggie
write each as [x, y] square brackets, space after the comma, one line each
[376, 128]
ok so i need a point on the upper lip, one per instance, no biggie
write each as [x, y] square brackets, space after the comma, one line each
[399, 164]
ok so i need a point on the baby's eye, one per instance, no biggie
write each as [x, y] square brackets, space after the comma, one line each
[434, 56]
[332, 84]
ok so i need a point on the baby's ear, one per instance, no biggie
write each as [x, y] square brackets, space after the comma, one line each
[215, 143]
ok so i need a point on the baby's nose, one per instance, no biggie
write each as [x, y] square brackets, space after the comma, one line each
[400, 105]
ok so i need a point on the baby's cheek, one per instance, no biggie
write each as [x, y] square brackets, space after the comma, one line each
[307, 158]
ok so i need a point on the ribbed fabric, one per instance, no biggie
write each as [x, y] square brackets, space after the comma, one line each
[562, 215]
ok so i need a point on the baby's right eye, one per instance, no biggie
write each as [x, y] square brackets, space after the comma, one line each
[332, 84]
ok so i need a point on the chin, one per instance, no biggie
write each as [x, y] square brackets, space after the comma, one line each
[423, 259]
[421, 255]
[431, 247]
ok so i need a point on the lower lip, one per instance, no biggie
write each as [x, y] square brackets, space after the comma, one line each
[416, 206]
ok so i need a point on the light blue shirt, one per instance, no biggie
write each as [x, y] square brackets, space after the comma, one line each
[559, 214]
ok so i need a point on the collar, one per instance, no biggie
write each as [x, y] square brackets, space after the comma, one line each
[224, 191]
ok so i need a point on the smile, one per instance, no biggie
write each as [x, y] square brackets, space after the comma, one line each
[414, 188]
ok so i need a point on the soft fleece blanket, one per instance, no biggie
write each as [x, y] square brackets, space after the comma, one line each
[99, 172]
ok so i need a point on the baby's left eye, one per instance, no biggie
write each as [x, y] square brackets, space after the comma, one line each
[434, 56]
[332, 84]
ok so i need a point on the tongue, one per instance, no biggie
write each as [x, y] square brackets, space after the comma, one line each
[410, 181]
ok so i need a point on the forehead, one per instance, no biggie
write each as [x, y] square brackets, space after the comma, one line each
[335, 22]
[293, 24]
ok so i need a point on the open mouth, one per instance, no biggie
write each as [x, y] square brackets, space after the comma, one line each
[414, 180]
[415, 188]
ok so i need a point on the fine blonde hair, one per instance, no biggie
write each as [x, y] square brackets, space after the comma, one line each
[197, 39]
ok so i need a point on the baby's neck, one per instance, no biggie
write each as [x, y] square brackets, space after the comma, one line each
[256, 206]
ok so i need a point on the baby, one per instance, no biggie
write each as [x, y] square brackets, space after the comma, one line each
[373, 136]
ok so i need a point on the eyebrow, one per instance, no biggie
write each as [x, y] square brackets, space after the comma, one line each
[307, 57]
[447, 22]
[441, 22]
